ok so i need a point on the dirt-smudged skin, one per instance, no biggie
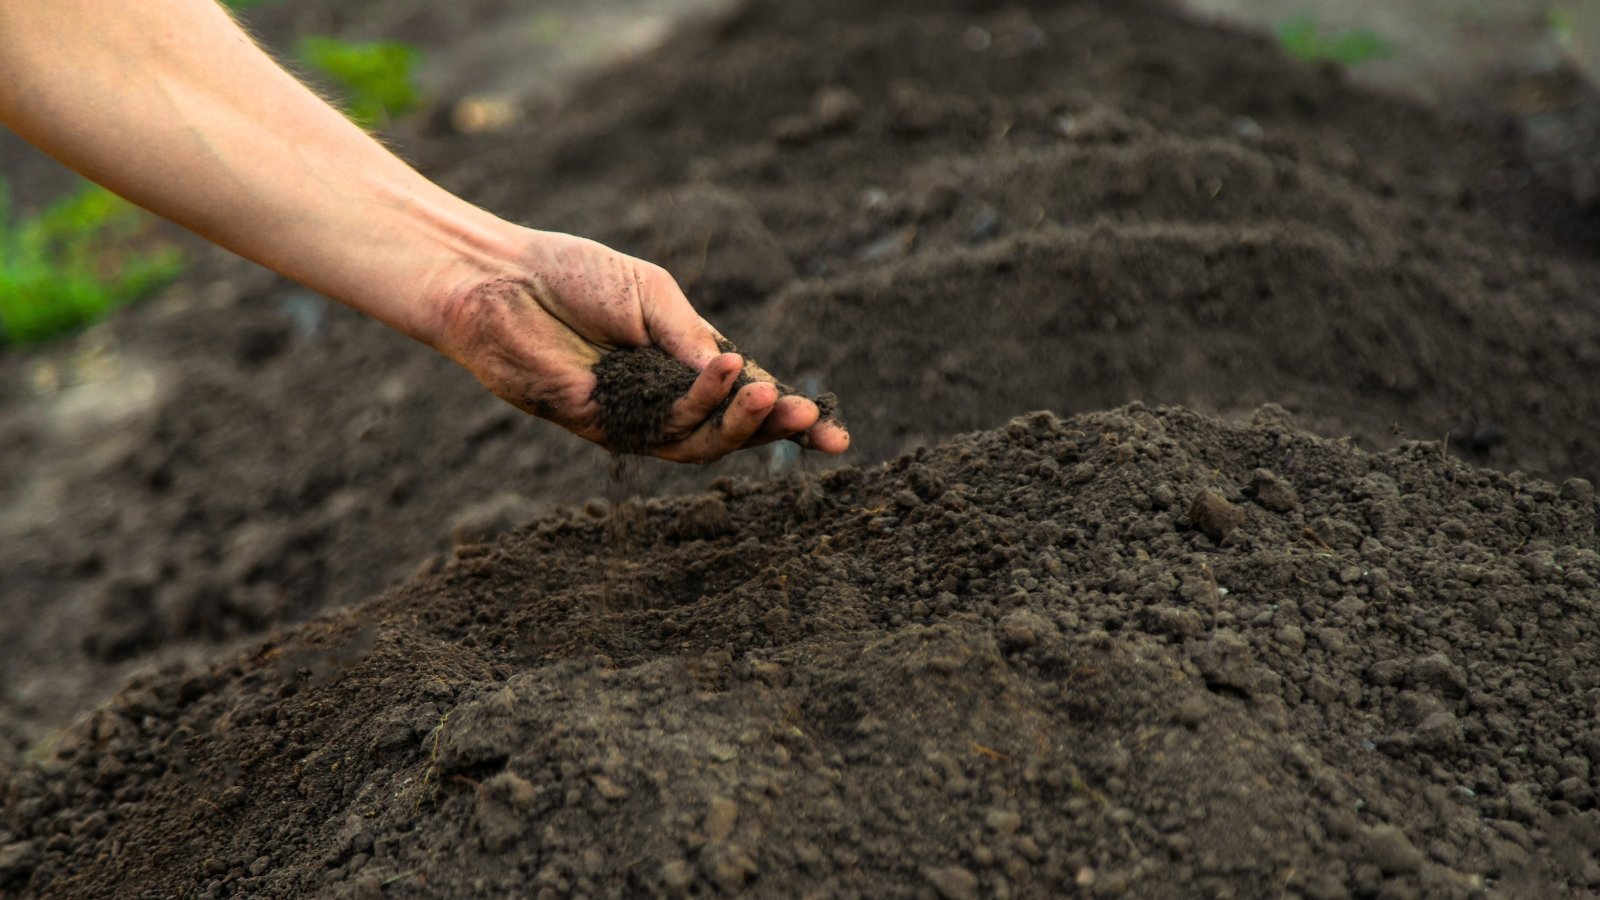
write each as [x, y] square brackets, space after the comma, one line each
[636, 389]
[1011, 663]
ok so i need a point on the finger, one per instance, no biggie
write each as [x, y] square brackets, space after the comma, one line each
[672, 322]
[790, 416]
[705, 395]
[826, 436]
[719, 437]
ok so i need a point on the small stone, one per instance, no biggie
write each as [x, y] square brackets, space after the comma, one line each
[1578, 489]
[1023, 628]
[1226, 661]
[18, 860]
[1162, 496]
[720, 818]
[953, 882]
[1003, 821]
[769, 672]
[500, 824]
[1575, 791]
[1390, 849]
[836, 108]
[261, 866]
[1113, 885]
[677, 874]
[364, 887]
[482, 114]
[608, 789]
[1193, 710]
[1171, 620]
[511, 788]
[1439, 732]
[794, 129]
[1324, 886]
[1522, 804]
[1272, 492]
[731, 867]
[1437, 671]
[1386, 672]
[1213, 514]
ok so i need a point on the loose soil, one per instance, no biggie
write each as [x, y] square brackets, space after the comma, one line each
[1143, 652]
[1011, 666]
[636, 389]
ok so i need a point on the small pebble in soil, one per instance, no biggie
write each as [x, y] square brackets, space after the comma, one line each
[1392, 851]
[1213, 514]
[1273, 492]
[953, 883]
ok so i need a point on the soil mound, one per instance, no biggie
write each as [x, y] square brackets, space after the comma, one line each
[1140, 653]
[948, 213]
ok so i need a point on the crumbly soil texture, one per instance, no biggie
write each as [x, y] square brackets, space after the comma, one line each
[1300, 626]
[1139, 653]
[636, 389]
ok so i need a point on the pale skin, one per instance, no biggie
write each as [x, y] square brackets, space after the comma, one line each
[170, 104]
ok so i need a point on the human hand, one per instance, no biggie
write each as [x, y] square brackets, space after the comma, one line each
[533, 333]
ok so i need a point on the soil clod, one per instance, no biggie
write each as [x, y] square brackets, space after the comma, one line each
[1214, 514]
[637, 387]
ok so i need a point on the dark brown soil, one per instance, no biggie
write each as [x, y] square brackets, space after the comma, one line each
[1038, 661]
[636, 389]
[1011, 666]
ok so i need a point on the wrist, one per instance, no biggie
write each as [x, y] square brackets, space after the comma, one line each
[472, 248]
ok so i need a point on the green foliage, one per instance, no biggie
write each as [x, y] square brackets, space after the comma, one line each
[1559, 20]
[238, 5]
[378, 77]
[1302, 38]
[73, 263]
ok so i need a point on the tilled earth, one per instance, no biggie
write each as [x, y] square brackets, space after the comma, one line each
[1020, 662]
[1139, 653]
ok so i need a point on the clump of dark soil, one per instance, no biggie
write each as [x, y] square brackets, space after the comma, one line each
[636, 388]
[1009, 666]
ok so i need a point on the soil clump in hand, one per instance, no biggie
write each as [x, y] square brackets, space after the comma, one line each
[636, 388]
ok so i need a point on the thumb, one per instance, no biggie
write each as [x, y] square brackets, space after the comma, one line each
[674, 325]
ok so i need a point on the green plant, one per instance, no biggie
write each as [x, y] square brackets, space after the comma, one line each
[73, 263]
[378, 77]
[1560, 22]
[1302, 38]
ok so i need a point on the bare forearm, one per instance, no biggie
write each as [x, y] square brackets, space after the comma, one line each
[170, 103]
